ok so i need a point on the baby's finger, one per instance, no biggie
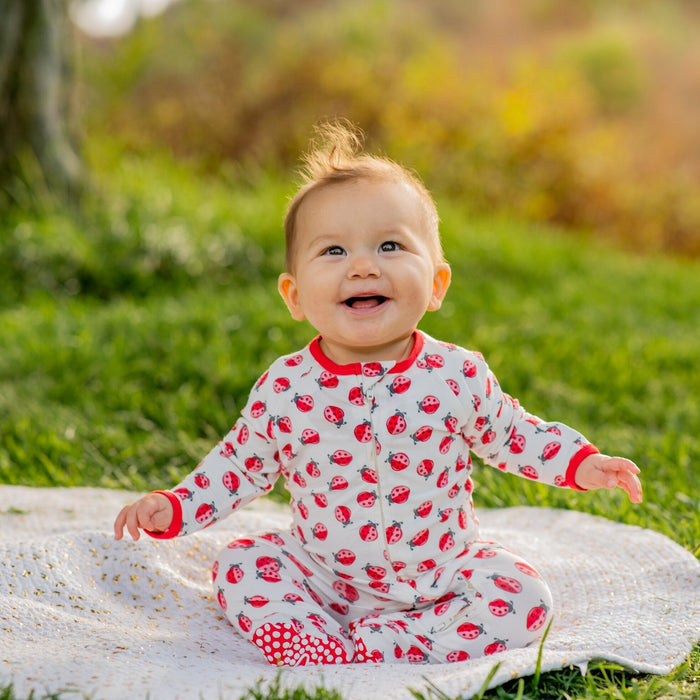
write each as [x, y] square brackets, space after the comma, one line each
[119, 523]
[132, 523]
[632, 486]
[621, 464]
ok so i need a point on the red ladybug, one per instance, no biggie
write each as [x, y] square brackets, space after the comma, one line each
[320, 531]
[495, 647]
[257, 409]
[423, 510]
[313, 470]
[400, 385]
[507, 583]
[429, 404]
[342, 514]
[344, 556]
[536, 617]
[366, 499]
[368, 532]
[202, 480]
[469, 630]
[341, 458]
[234, 573]
[500, 607]
[419, 539]
[399, 494]
[335, 415]
[281, 384]
[257, 601]
[393, 533]
[346, 590]
[363, 432]
[447, 541]
[425, 468]
[304, 403]
[328, 380]
[551, 449]
[398, 461]
[458, 655]
[244, 622]
[355, 396]
[396, 424]
[372, 369]
[529, 472]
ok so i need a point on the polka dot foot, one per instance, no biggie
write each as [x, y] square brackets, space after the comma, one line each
[282, 645]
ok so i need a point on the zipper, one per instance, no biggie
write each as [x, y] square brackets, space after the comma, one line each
[369, 394]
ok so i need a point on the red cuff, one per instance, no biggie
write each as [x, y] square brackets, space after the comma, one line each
[175, 524]
[575, 463]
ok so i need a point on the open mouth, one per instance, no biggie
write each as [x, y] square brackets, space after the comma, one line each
[368, 302]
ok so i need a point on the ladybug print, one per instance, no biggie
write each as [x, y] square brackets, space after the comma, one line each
[356, 397]
[536, 617]
[281, 384]
[334, 415]
[400, 385]
[363, 431]
[366, 499]
[304, 403]
[396, 423]
[377, 463]
[258, 409]
[328, 380]
[394, 533]
[429, 404]
[399, 461]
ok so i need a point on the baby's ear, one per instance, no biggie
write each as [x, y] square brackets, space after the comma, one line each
[441, 283]
[287, 286]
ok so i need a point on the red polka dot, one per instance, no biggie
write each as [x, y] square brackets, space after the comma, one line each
[282, 645]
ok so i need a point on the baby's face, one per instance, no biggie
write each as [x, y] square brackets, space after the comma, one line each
[364, 272]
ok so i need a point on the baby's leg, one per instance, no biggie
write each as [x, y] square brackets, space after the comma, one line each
[496, 602]
[264, 585]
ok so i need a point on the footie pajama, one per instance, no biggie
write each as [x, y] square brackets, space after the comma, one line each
[384, 560]
[297, 613]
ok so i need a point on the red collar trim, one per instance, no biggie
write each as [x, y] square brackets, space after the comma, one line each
[356, 367]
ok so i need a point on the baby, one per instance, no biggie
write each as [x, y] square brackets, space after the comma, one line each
[372, 426]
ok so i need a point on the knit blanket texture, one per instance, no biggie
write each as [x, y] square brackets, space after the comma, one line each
[114, 620]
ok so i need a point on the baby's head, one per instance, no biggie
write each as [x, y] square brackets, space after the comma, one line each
[364, 261]
[337, 157]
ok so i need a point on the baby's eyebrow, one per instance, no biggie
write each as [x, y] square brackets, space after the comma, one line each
[326, 240]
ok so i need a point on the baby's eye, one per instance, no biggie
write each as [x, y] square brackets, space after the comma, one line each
[389, 247]
[334, 250]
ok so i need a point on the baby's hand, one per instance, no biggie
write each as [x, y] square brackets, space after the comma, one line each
[153, 512]
[602, 472]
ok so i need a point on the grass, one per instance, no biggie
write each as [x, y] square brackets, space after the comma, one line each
[132, 330]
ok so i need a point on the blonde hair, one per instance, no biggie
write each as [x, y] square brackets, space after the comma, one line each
[337, 156]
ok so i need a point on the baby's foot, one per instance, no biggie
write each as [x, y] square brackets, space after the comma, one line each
[282, 645]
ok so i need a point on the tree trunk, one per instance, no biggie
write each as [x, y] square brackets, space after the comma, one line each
[37, 146]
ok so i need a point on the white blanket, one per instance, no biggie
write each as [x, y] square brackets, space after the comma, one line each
[135, 620]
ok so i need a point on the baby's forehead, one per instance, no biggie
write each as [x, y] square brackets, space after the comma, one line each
[361, 187]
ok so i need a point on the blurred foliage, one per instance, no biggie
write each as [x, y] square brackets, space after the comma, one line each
[579, 112]
[150, 229]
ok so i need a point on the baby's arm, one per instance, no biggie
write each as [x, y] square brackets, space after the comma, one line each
[599, 471]
[153, 512]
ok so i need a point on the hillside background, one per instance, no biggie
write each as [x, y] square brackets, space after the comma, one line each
[583, 113]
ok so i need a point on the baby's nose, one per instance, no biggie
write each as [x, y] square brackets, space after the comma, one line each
[363, 265]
